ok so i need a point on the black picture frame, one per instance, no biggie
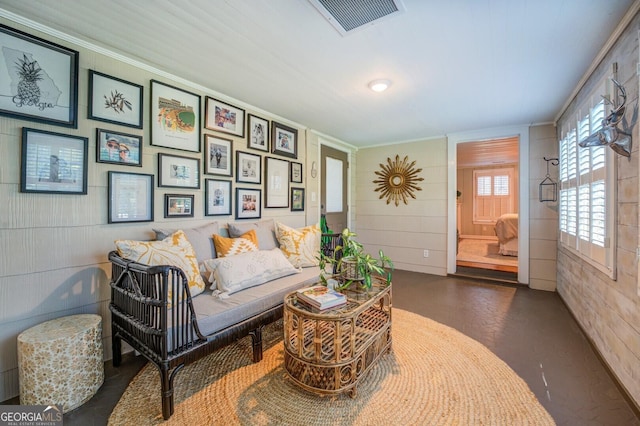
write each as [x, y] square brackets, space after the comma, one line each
[257, 133]
[223, 117]
[297, 199]
[130, 197]
[175, 117]
[296, 172]
[114, 100]
[248, 203]
[118, 148]
[49, 93]
[218, 156]
[248, 167]
[53, 163]
[176, 171]
[178, 205]
[218, 197]
[284, 140]
[276, 182]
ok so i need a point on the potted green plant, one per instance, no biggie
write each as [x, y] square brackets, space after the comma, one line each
[354, 264]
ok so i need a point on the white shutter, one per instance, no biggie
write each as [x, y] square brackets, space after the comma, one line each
[501, 185]
[484, 186]
[587, 195]
[572, 161]
[492, 194]
[572, 211]
[598, 213]
[584, 217]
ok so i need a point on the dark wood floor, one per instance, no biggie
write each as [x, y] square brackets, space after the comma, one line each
[532, 331]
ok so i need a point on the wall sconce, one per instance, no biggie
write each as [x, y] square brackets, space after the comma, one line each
[314, 169]
[549, 188]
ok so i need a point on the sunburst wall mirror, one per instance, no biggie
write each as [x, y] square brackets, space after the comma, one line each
[397, 180]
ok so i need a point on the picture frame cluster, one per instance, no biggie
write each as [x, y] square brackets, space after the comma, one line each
[57, 163]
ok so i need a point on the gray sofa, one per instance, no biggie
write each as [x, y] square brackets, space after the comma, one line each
[172, 332]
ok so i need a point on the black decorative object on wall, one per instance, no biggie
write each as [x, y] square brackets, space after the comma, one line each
[548, 190]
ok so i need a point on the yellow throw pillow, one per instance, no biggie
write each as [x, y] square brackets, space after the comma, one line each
[245, 243]
[300, 246]
[175, 250]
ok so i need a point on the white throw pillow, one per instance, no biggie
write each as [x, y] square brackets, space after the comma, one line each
[234, 273]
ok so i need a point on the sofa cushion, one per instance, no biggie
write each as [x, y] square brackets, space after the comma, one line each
[300, 246]
[231, 274]
[200, 238]
[265, 230]
[247, 242]
[174, 250]
[215, 314]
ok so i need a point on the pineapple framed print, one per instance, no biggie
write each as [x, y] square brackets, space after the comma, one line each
[175, 117]
[42, 83]
[114, 100]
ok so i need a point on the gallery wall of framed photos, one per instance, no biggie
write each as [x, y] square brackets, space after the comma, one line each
[194, 143]
[102, 162]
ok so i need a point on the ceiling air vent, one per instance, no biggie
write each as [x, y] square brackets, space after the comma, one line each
[349, 15]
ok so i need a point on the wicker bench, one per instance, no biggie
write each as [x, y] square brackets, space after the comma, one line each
[174, 333]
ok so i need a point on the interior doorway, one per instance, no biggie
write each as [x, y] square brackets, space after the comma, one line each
[487, 208]
[491, 136]
[334, 166]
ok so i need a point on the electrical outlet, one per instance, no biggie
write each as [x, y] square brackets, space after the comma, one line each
[425, 253]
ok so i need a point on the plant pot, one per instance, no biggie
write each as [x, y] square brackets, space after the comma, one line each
[349, 270]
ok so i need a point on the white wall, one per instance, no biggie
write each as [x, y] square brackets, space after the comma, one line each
[53, 248]
[405, 231]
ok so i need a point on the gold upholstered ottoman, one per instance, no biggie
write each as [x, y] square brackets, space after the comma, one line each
[61, 361]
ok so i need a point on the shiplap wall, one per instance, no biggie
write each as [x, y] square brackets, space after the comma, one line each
[405, 231]
[53, 248]
[609, 310]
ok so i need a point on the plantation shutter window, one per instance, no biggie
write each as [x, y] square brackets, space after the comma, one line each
[493, 196]
[587, 191]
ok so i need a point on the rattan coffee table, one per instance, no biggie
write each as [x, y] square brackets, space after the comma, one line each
[329, 352]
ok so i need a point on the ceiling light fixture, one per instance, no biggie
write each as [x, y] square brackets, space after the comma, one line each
[379, 85]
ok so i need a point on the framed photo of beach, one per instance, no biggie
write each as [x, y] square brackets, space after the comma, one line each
[118, 148]
[40, 79]
[175, 117]
[223, 117]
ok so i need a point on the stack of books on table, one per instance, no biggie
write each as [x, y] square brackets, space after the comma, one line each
[321, 298]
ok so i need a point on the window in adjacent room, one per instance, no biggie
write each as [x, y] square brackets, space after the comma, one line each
[493, 194]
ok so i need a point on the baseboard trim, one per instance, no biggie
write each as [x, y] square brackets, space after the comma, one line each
[623, 390]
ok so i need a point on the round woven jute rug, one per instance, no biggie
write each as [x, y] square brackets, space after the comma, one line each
[434, 375]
